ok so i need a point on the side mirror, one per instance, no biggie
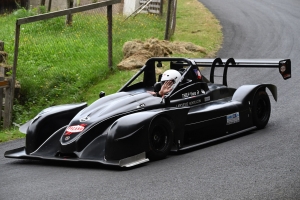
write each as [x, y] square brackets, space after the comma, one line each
[102, 94]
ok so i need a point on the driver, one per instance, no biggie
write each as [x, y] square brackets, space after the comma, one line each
[168, 79]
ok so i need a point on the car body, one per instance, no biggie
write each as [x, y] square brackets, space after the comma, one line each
[132, 126]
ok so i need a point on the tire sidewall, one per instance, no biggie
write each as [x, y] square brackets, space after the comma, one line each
[261, 101]
[165, 125]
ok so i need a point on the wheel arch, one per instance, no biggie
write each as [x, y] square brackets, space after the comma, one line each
[127, 136]
[247, 93]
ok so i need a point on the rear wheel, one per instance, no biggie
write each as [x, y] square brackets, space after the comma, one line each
[261, 109]
[160, 138]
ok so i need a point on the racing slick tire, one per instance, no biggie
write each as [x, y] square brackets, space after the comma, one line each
[160, 138]
[261, 109]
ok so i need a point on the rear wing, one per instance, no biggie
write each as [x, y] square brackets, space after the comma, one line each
[283, 65]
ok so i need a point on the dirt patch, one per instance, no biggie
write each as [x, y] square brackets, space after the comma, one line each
[137, 52]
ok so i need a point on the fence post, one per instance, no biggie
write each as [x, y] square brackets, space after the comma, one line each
[27, 5]
[9, 91]
[109, 27]
[49, 5]
[69, 20]
[171, 19]
[43, 2]
[1, 45]
[173, 24]
[7, 84]
[168, 20]
[161, 11]
[2, 74]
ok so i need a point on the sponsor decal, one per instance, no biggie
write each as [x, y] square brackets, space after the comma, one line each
[188, 103]
[194, 102]
[182, 105]
[75, 129]
[190, 94]
[207, 98]
[233, 118]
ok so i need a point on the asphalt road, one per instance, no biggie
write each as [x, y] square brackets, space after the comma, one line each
[260, 165]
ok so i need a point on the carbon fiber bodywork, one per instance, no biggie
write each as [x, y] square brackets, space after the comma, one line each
[117, 129]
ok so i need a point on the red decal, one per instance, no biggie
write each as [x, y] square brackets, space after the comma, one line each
[75, 129]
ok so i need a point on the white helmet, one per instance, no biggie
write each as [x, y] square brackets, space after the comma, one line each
[171, 74]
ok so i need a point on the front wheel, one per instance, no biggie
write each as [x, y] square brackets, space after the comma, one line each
[160, 138]
[261, 109]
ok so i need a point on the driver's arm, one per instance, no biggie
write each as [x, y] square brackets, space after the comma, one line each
[165, 88]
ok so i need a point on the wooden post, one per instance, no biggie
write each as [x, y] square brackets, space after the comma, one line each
[2, 74]
[109, 27]
[1, 97]
[27, 6]
[9, 91]
[161, 11]
[9, 96]
[43, 2]
[2, 70]
[1, 45]
[69, 16]
[167, 31]
[49, 5]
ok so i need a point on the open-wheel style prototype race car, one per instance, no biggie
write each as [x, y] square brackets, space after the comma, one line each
[132, 126]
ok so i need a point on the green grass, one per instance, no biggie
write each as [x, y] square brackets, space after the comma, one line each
[48, 80]
[10, 134]
[194, 23]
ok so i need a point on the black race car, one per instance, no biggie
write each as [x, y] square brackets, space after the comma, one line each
[132, 126]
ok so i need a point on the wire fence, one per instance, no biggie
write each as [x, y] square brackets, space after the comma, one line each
[55, 59]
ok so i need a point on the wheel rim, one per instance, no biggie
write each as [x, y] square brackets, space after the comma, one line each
[159, 138]
[262, 110]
